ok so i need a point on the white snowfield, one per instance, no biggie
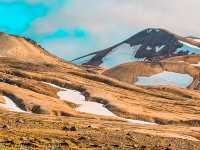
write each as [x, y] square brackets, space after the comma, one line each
[10, 105]
[166, 78]
[125, 53]
[76, 97]
[122, 54]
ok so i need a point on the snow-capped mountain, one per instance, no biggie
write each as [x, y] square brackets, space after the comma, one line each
[147, 44]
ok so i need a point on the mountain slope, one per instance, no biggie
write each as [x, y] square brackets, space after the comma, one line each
[50, 95]
[27, 50]
[147, 44]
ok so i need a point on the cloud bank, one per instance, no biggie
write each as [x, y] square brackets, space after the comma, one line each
[76, 27]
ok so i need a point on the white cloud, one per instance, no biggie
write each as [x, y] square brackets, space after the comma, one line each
[107, 15]
[111, 21]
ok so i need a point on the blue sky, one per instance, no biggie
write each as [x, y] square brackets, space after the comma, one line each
[70, 28]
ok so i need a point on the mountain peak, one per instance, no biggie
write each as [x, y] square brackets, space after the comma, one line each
[149, 30]
[148, 44]
[155, 30]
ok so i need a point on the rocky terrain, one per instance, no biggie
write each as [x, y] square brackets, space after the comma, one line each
[47, 103]
[146, 45]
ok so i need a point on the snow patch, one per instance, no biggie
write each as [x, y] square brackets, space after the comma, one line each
[140, 122]
[166, 78]
[187, 47]
[76, 97]
[159, 48]
[69, 95]
[149, 30]
[89, 107]
[53, 85]
[122, 54]
[84, 106]
[95, 108]
[196, 65]
[10, 105]
[72, 96]
[149, 48]
[157, 30]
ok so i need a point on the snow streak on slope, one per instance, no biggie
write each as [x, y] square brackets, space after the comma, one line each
[187, 47]
[121, 54]
[166, 78]
[84, 59]
[10, 105]
[196, 65]
[53, 85]
[89, 107]
[159, 48]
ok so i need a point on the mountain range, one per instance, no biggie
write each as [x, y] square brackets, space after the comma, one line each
[109, 102]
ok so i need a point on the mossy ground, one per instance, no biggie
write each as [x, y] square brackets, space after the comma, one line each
[27, 131]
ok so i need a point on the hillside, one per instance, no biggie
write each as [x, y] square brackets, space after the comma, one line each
[52, 104]
[129, 72]
[27, 50]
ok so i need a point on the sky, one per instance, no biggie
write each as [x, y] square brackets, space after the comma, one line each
[72, 28]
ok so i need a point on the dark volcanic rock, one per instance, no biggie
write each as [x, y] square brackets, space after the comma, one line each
[154, 38]
[147, 44]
